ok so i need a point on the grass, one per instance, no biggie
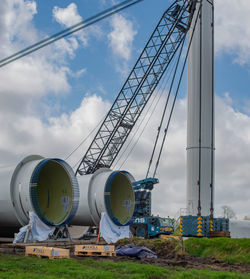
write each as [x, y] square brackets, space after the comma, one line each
[227, 249]
[232, 250]
[16, 267]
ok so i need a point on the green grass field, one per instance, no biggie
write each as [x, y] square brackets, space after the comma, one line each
[14, 267]
[233, 250]
[227, 249]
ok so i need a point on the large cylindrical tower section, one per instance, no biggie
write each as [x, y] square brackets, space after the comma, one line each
[200, 118]
[105, 191]
[47, 187]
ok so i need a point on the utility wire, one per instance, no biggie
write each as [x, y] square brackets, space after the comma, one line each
[72, 29]
[177, 90]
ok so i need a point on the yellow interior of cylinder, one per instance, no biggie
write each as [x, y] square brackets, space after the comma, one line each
[122, 198]
[54, 193]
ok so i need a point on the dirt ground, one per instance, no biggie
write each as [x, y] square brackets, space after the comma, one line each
[185, 261]
[168, 257]
[189, 262]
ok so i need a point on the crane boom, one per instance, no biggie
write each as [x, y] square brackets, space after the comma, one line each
[139, 86]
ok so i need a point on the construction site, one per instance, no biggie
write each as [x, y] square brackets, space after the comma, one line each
[95, 213]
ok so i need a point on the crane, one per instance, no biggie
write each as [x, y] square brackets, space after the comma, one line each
[161, 49]
[167, 38]
[147, 72]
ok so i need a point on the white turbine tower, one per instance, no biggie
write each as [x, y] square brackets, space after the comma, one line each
[200, 119]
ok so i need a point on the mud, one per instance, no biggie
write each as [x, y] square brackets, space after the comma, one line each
[170, 255]
[184, 261]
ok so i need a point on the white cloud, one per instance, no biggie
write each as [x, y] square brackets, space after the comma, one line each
[15, 22]
[69, 16]
[122, 36]
[78, 73]
[28, 134]
[232, 28]
[231, 160]
[23, 83]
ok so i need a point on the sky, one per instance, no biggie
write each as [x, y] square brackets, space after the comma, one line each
[52, 100]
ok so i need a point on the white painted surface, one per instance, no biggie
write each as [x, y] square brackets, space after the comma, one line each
[92, 197]
[200, 91]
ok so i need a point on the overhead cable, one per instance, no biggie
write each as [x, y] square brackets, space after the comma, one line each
[72, 29]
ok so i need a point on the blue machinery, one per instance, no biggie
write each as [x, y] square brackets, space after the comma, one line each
[200, 226]
[144, 224]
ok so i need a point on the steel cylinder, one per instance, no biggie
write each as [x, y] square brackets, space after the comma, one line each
[200, 117]
[105, 191]
[47, 187]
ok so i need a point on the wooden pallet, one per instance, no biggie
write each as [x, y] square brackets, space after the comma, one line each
[46, 252]
[95, 250]
[167, 237]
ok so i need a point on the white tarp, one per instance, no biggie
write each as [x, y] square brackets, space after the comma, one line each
[39, 230]
[111, 232]
[239, 229]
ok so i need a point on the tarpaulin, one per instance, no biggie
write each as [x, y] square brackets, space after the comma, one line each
[135, 251]
[39, 230]
[111, 232]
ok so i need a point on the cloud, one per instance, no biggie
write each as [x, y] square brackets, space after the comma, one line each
[121, 41]
[231, 160]
[23, 132]
[28, 134]
[78, 73]
[67, 17]
[122, 36]
[232, 29]
[24, 82]
[15, 25]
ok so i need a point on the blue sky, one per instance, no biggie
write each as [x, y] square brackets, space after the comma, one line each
[101, 76]
[52, 99]
[229, 75]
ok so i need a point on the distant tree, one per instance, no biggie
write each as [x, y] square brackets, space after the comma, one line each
[228, 212]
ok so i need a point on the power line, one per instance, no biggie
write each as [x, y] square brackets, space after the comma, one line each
[66, 32]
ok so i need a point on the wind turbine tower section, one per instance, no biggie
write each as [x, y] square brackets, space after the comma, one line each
[200, 118]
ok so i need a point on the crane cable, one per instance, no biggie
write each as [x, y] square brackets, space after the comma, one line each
[163, 86]
[165, 108]
[159, 92]
[70, 30]
[176, 93]
[152, 113]
[83, 140]
[92, 131]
